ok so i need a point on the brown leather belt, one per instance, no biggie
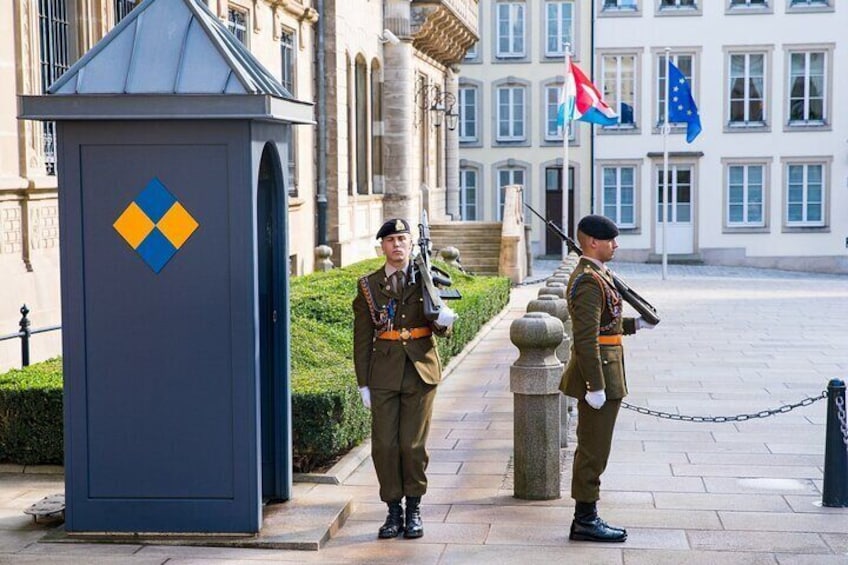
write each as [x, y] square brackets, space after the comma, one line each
[406, 334]
[609, 339]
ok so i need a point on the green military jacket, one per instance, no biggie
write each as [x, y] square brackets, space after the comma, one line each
[379, 363]
[595, 307]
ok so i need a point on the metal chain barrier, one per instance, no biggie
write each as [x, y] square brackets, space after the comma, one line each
[740, 417]
[843, 420]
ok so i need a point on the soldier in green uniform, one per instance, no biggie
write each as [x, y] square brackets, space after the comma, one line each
[595, 371]
[397, 369]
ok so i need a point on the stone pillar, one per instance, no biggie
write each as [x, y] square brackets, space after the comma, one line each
[401, 196]
[534, 381]
[452, 149]
[513, 261]
[450, 255]
[322, 258]
[558, 308]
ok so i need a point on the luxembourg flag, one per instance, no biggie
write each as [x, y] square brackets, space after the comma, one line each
[582, 101]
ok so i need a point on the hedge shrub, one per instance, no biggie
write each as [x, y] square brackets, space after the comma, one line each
[31, 421]
[328, 416]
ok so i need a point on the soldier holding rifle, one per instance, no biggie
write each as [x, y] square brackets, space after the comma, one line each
[595, 371]
[397, 369]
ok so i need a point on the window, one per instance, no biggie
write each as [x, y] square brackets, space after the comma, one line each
[472, 52]
[291, 159]
[468, 108]
[237, 24]
[679, 209]
[553, 131]
[686, 66]
[678, 5]
[749, 7]
[287, 54]
[805, 188]
[745, 195]
[361, 117]
[506, 177]
[810, 3]
[630, 5]
[559, 27]
[807, 88]
[747, 90]
[123, 7]
[618, 84]
[54, 58]
[748, 3]
[510, 113]
[377, 176]
[510, 30]
[618, 195]
[468, 193]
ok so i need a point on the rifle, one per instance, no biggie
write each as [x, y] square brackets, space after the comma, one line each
[432, 277]
[648, 312]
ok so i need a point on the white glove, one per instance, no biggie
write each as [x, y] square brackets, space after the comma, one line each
[365, 392]
[446, 317]
[642, 324]
[596, 398]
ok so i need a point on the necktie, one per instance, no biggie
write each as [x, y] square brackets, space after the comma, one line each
[398, 283]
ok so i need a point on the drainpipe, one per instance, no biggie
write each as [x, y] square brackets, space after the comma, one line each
[321, 110]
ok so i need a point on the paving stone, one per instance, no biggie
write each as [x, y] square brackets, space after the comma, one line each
[777, 542]
[712, 501]
[689, 557]
[834, 522]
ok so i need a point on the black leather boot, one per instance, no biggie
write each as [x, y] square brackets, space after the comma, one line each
[393, 525]
[588, 526]
[414, 525]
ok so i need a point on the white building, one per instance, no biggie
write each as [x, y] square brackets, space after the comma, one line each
[509, 90]
[766, 182]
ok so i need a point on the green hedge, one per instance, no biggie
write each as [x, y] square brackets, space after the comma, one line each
[31, 421]
[328, 416]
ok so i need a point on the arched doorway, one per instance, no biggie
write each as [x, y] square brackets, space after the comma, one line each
[272, 283]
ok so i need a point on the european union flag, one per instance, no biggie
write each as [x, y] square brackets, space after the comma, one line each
[682, 107]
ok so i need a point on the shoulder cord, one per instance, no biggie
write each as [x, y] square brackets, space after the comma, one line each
[613, 299]
[380, 317]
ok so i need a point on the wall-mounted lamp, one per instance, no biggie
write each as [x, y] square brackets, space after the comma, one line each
[388, 37]
[440, 105]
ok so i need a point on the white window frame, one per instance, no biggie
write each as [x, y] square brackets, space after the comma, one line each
[806, 164]
[659, 84]
[463, 93]
[512, 171]
[630, 6]
[678, 8]
[561, 35]
[749, 6]
[747, 123]
[619, 192]
[747, 188]
[516, 118]
[290, 69]
[552, 94]
[515, 38]
[237, 28]
[613, 95]
[801, 6]
[826, 98]
[465, 188]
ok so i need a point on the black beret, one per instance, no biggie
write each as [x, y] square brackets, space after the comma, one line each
[599, 227]
[393, 226]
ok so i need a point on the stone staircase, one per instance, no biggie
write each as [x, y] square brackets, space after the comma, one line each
[479, 244]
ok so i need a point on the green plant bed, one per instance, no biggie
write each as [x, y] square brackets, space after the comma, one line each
[328, 415]
[31, 422]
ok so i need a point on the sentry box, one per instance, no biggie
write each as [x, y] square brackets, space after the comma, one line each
[174, 276]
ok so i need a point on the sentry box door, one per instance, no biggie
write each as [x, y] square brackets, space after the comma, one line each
[159, 324]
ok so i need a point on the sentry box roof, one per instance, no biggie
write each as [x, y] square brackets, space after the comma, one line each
[167, 59]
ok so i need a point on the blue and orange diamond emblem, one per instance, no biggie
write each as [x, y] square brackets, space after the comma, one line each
[156, 225]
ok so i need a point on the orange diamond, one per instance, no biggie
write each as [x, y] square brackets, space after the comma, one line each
[177, 225]
[133, 225]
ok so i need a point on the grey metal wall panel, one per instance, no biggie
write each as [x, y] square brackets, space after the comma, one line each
[203, 69]
[158, 48]
[160, 370]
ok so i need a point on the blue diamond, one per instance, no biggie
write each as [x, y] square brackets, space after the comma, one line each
[156, 250]
[155, 200]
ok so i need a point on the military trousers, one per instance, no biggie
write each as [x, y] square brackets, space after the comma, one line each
[594, 440]
[400, 424]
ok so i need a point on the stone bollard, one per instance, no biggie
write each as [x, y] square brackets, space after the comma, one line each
[322, 258]
[558, 308]
[450, 255]
[553, 289]
[835, 484]
[534, 381]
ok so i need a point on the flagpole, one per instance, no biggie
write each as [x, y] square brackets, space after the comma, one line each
[566, 130]
[664, 207]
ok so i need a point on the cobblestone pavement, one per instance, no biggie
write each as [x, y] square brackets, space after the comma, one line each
[731, 340]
